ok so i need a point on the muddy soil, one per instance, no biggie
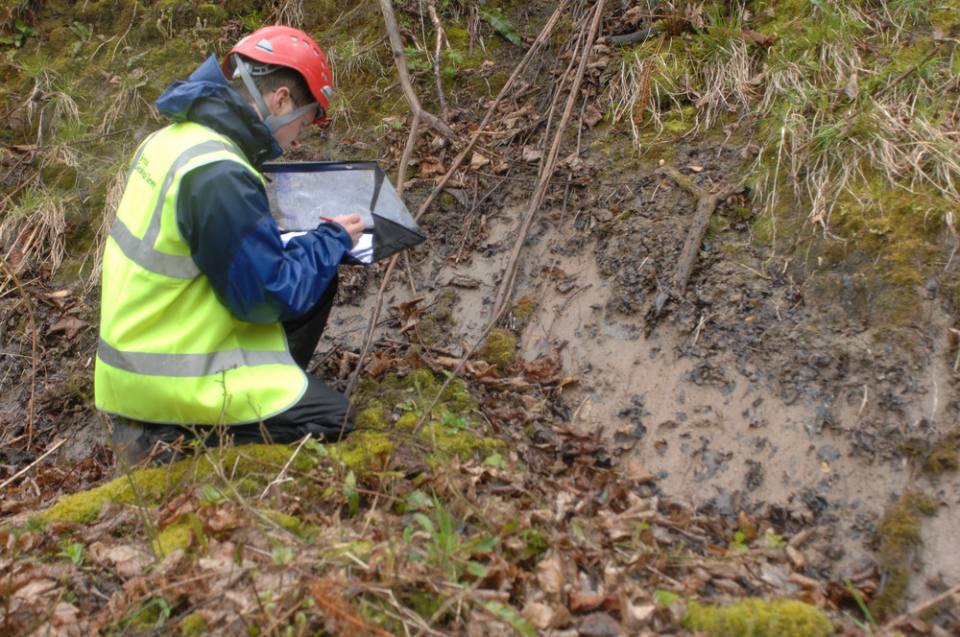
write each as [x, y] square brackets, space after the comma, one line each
[766, 390]
[772, 387]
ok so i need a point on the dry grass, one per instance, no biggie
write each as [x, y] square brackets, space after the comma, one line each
[826, 105]
[125, 101]
[33, 231]
[645, 86]
[288, 12]
[114, 194]
[46, 106]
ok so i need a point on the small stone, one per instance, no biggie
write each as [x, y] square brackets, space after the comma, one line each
[600, 625]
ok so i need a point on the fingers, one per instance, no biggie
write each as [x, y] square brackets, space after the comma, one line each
[353, 224]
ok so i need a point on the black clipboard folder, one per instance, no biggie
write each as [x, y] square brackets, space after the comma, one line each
[301, 194]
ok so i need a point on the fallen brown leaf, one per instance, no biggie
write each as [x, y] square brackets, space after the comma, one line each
[478, 161]
[584, 602]
[69, 325]
[550, 574]
[592, 116]
[431, 166]
[636, 472]
[531, 154]
[126, 560]
[540, 615]
[760, 39]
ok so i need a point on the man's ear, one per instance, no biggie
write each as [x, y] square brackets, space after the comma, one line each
[278, 98]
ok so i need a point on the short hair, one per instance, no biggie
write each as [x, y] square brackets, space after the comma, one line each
[271, 77]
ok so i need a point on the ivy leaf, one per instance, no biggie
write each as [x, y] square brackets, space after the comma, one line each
[501, 25]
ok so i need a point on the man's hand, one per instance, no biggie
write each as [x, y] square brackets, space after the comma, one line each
[353, 224]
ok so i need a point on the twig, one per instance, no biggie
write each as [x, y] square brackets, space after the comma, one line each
[456, 372]
[396, 45]
[507, 87]
[903, 76]
[706, 204]
[27, 468]
[418, 114]
[281, 476]
[632, 38]
[549, 164]
[432, 10]
[407, 152]
[921, 608]
[33, 353]
[394, 34]
[500, 307]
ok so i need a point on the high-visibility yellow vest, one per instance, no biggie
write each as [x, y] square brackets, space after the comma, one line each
[170, 351]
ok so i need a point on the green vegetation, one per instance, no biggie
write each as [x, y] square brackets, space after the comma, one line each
[257, 463]
[193, 625]
[851, 107]
[944, 457]
[499, 348]
[897, 539]
[759, 618]
[389, 410]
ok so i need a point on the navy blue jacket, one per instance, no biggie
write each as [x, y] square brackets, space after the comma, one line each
[224, 216]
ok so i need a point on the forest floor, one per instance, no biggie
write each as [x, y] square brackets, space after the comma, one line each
[775, 451]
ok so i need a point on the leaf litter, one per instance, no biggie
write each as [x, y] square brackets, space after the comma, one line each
[556, 532]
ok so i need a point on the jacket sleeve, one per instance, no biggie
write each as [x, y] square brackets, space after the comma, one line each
[224, 216]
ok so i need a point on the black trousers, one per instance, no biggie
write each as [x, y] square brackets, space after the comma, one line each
[323, 412]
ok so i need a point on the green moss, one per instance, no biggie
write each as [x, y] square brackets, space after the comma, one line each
[408, 421]
[897, 539]
[945, 15]
[463, 443]
[389, 411]
[150, 486]
[371, 418]
[302, 529]
[664, 598]
[364, 450]
[759, 618]
[499, 348]
[523, 311]
[193, 625]
[679, 121]
[944, 457]
[181, 534]
[356, 548]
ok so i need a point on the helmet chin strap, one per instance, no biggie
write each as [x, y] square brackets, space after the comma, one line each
[273, 122]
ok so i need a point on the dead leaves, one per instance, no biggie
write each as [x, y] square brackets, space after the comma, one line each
[759, 39]
[531, 154]
[69, 325]
[124, 559]
[431, 167]
[592, 116]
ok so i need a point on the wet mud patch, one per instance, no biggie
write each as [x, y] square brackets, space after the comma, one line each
[757, 393]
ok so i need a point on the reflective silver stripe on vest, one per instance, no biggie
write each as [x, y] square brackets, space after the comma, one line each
[141, 251]
[138, 251]
[151, 364]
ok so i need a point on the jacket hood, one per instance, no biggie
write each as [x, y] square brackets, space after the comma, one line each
[207, 98]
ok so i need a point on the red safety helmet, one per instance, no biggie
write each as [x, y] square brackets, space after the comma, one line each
[292, 48]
